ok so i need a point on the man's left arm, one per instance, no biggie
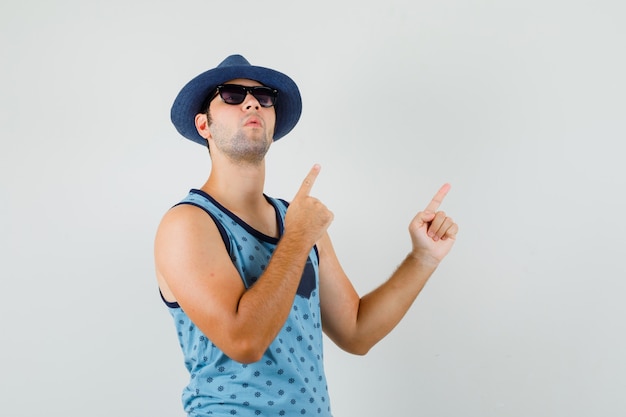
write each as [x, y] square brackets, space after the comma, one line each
[357, 323]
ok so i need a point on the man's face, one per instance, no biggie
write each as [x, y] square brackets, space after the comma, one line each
[243, 132]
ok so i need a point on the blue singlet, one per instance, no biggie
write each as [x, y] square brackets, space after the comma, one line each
[289, 380]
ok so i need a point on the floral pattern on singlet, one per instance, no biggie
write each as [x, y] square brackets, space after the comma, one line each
[289, 380]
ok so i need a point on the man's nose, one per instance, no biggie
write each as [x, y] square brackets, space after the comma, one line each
[251, 101]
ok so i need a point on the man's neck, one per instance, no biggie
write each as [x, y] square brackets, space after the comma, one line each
[239, 187]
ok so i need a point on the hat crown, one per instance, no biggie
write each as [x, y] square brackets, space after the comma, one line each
[234, 61]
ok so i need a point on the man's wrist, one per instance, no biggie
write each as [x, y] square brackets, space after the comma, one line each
[422, 259]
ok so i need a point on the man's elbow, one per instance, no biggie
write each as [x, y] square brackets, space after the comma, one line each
[359, 348]
[246, 352]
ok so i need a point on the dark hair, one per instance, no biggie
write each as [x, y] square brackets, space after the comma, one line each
[204, 107]
[207, 112]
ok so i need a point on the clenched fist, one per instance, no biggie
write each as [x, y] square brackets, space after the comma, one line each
[432, 232]
[307, 215]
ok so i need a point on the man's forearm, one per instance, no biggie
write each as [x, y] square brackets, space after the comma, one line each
[382, 309]
[265, 306]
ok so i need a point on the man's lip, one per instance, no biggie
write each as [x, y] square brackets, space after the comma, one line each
[253, 121]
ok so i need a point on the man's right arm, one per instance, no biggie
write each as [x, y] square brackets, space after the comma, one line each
[193, 265]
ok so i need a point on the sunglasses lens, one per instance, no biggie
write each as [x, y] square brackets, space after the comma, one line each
[232, 94]
[265, 96]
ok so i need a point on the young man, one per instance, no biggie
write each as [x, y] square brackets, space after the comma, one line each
[252, 281]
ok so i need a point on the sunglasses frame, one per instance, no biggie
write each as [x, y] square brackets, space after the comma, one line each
[270, 92]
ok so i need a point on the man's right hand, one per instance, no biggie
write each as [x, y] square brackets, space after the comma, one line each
[306, 215]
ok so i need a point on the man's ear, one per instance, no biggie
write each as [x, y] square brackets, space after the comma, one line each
[202, 125]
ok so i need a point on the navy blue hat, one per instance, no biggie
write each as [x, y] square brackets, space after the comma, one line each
[187, 104]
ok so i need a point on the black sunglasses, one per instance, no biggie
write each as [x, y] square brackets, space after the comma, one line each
[236, 94]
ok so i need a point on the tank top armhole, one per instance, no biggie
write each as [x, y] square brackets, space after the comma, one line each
[224, 239]
[219, 225]
[170, 304]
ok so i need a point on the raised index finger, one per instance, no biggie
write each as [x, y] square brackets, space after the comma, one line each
[438, 198]
[309, 180]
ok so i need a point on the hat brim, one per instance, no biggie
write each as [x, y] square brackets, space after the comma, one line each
[189, 100]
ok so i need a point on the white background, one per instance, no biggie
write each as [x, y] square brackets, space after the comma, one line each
[519, 104]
